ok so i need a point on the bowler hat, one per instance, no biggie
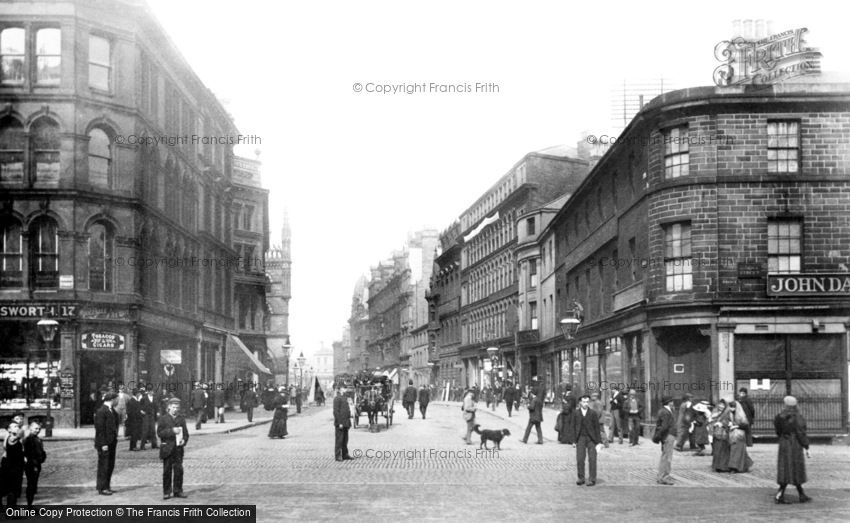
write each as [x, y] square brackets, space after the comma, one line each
[109, 396]
[666, 399]
[174, 401]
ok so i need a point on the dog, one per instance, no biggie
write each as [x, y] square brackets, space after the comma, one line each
[491, 435]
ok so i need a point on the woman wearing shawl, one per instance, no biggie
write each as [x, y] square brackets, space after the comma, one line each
[739, 460]
[701, 414]
[720, 437]
[791, 467]
[280, 404]
[563, 425]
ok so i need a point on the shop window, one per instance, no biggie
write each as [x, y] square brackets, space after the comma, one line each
[44, 248]
[11, 255]
[12, 143]
[12, 56]
[783, 245]
[677, 257]
[783, 146]
[676, 152]
[48, 48]
[100, 257]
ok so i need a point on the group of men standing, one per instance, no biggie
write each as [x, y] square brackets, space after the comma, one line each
[207, 404]
[411, 396]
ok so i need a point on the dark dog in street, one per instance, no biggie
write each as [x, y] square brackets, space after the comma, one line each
[492, 435]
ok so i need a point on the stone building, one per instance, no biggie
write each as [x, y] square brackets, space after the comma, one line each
[279, 289]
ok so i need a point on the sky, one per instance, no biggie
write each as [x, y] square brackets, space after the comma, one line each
[359, 171]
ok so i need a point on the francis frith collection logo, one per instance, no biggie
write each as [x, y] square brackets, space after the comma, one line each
[766, 61]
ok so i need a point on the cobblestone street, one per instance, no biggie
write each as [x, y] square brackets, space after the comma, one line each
[421, 469]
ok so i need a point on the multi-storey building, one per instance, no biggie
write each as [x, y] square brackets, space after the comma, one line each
[444, 310]
[358, 328]
[709, 251]
[419, 250]
[488, 265]
[116, 214]
[279, 290]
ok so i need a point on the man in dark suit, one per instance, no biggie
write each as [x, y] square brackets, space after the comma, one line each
[424, 399]
[509, 396]
[409, 399]
[750, 411]
[342, 422]
[634, 413]
[249, 401]
[150, 411]
[535, 417]
[106, 441]
[586, 436]
[174, 435]
[218, 399]
[135, 418]
[199, 405]
[618, 411]
[665, 433]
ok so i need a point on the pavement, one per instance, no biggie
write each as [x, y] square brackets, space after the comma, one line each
[420, 470]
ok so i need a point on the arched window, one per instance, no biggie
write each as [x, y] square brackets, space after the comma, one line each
[11, 256]
[45, 150]
[12, 144]
[12, 56]
[100, 257]
[44, 249]
[100, 158]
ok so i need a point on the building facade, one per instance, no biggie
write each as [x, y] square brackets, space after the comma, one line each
[444, 312]
[117, 208]
[279, 290]
[708, 250]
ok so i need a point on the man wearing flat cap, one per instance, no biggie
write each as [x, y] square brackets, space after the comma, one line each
[105, 442]
[173, 435]
[665, 433]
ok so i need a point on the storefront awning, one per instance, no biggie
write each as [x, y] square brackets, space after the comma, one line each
[251, 356]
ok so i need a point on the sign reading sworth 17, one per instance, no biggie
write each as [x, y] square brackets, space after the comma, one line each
[808, 284]
[767, 61]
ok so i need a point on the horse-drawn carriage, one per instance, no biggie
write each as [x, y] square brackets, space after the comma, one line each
[373, 395]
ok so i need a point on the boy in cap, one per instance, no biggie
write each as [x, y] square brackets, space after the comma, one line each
[173, 435]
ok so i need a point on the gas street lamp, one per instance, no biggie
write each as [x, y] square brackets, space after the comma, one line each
[47, 330]
[301, 361]
[569, 325]
[287, 350]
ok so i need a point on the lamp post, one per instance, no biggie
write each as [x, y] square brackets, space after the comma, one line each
[47, 330]
[301, 361]
[493, 354]
[287, 350]
[569, 325]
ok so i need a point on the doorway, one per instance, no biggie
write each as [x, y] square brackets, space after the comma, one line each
[97, 370]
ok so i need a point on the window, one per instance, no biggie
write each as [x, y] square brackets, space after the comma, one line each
[632, 258]
[100, 258]
[783, 147]
[99, 62]
[247, 217]
[532, 311]
[615, 256]
[12, 143]
[12, 58]
[11, 255]
[45, 150]
[100, 158]
[44, 246]
[529, 226]
[676, 152]
[783, 245]
[532, 273]
[677, 256]
[48, 56]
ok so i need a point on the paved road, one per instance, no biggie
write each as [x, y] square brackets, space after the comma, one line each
[421, 470]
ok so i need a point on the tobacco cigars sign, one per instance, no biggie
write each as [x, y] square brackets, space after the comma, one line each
[811, 284]
[102, 341]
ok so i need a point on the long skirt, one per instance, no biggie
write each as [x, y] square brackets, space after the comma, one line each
[739, 460]
[720, 455]
[564, 427]
[278, 428]
[791, 465]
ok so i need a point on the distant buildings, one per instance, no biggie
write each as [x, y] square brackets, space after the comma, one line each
[279, 289]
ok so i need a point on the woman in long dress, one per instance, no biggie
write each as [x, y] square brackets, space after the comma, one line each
[791, 467]
[720, 437]
[701, 414]
[280, 403]
[739, 460]
[563, 425]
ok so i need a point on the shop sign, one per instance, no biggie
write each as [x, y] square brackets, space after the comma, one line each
[102, 341]
[170, 356]
[66, 384]
[38, 310]
[808, 284]
[750, 270]
[66, 282]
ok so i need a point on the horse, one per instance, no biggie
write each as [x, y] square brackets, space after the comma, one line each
[372, 403]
